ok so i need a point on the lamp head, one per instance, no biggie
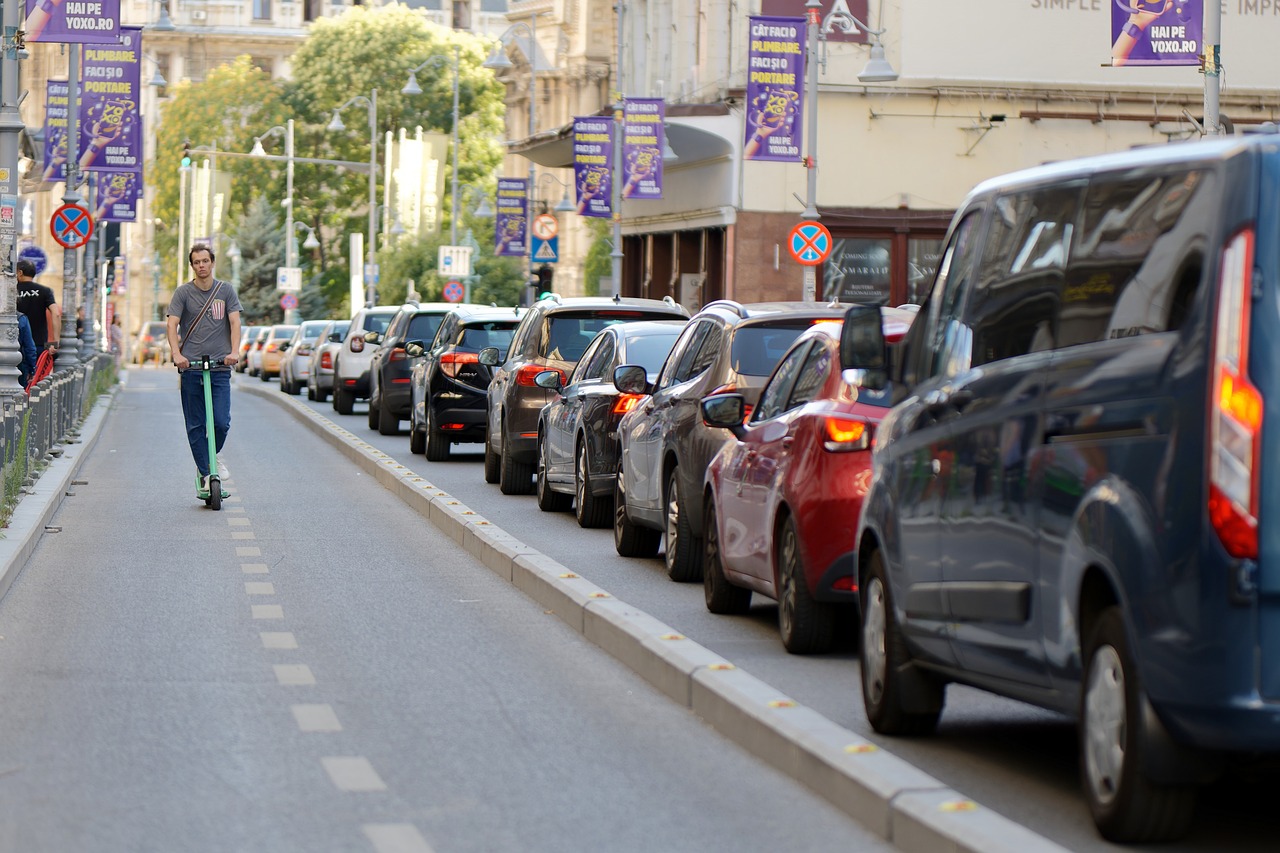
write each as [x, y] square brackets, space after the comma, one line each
[258, 150]
[498, 60]
[157, 80]
[878, 69]
[483, 210]
[412, 87]
[311, 242]
[565, 206]
[336, 124]
[396, 229]
[165, 24]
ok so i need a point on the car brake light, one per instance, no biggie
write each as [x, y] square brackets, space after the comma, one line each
[625, 403]
[844, 435]
[397, 354]
[326, 360]
[526, 375]
[273, 346]
[1235, 421]
[847, 583]
[451, 362]
[729, 389]
[357, 343]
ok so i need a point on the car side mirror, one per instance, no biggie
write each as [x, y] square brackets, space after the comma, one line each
[490, 357]
[862, 345]
[726, 411]
[549, 379]
[335, 337]
[284, 346]
[372, 338]
[414, 349]
[631, 379]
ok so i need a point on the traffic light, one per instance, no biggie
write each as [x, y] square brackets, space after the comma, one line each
[186, 153]
[545, 274]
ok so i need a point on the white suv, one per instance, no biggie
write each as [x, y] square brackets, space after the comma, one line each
[351, 361]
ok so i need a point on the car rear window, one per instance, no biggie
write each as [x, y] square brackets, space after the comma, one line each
[284, 332]
[651, 351]
[422, 327]
[477, 337]
[758, 348]
[566, 335]
[377, 322]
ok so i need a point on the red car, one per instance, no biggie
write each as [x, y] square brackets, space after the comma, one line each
[783, 498]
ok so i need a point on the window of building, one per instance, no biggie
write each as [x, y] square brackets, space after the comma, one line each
[858, 270]
[262, 10]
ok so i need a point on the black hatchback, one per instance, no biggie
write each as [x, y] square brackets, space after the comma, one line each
[447, 387]
[391, 364]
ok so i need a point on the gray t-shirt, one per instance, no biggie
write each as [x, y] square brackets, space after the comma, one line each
[212, 335]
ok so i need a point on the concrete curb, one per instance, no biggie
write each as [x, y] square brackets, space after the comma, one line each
[906, 806]
[34, 510]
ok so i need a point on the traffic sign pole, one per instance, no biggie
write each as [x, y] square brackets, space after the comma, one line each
[68, 346]
[11, 129]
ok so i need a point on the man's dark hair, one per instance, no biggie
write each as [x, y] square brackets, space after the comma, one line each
[27, 268]
[200, 247]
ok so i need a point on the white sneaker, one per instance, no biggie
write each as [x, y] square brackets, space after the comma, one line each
[223, 473]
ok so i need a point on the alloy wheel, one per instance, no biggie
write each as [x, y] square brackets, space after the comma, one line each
[1104, 724]
[874, 624]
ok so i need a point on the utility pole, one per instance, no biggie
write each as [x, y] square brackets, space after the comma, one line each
[68, 346]
[615, 256]
[1212, 67]
[11, 128]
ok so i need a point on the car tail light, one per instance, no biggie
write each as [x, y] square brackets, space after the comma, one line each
[847, 583]
[357, 343]
[326, 360]
[451, 362]
[729, 389]
[453, 426]
[625, 403]
[1235, 420]
[397, 354]
[258, 345]
[273, 346]
[845, 434]
[526, 375]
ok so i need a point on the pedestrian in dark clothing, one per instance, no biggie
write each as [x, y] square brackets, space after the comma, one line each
[27, 344]
[37, 302]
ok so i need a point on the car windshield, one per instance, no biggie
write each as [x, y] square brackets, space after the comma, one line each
[377, 322]
[483, 335]
[758, 348]
[422, 327]
[568, 334]
[651, 350]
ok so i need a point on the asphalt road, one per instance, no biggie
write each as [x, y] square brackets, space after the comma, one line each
[1010, 757]
[317, 668]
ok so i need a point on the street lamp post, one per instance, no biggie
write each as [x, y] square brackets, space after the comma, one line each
[336, 124]
[259, 151]
[412, 88]
[877, 71]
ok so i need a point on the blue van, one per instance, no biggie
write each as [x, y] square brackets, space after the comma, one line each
[1066, 497]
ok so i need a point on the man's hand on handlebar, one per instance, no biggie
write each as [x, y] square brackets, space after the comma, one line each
[231, 359]
[181, 362]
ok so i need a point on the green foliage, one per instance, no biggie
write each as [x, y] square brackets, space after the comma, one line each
[15, 471]
[260, 237]
[497, 279]
[598, 263]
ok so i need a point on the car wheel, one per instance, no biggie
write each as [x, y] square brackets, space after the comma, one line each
[321, 394]
[888, 677]
[548, 500]
[437, 442]
[375, 409]
[721, 595]
[388, 423]
[1127, 807]
[683, 560]
[343, 400]
[514, 478]
[417, 439]
[807, 626]
[492, 463]
[592, 510]
[262, 374]
[630, 540]
[311, 392]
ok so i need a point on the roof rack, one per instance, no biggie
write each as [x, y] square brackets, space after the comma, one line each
[729, 305]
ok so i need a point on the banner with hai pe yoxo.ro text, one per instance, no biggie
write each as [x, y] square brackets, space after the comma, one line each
[1157, 32]
[593, 165]
[110, 102]
[511, 224]
[775, 89]
[116, 196]
[73, 21]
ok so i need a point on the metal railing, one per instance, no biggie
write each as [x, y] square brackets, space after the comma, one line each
[33, 427]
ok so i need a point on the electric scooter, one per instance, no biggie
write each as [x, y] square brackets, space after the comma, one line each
[214, 501]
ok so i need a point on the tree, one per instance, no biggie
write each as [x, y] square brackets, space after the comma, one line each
[261, 240]
[598, 263]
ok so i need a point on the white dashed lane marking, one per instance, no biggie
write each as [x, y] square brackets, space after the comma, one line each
[396, 838]
[267, 611]
[259, 588]
[249, 551]
[242, 534]
[294, 674]
[238, 522]
[353, 773]
[253, 568]
[316, 718]
[278, 640]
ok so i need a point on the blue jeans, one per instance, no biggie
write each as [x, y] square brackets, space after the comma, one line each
[193, 411]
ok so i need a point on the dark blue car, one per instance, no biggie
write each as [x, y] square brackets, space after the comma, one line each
[1067, 497]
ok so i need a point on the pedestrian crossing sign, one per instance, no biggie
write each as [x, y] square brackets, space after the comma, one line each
[546, 251]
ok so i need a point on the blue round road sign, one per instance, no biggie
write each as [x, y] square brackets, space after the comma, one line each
[454, 291]
[809, 243]
[36, 255]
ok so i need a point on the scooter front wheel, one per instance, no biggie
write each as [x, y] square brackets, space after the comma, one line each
[214, 500]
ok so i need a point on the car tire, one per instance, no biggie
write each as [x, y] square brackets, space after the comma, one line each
[630, 540]
[808, 627]
[492, 463]
[437, 443]
[682, 549]
[311, 392]
[262, 374]
[548, 499]
[722, 597]
[1127, 807]
[388, 423]
[321, 395]
[514, 478]
[888, 676]
[343, 400]
[417, 439]
[591, 510]
[375, 409]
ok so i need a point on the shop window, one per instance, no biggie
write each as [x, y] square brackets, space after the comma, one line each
[859, 270]
[923, 255]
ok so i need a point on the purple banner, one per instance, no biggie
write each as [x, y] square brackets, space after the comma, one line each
[73, 21]
[511, 226]
[57, 107]
[831, 11]
[775, 89]
[110, 100]
[1157, 32]
[116, 196]
[593, 165]
[643, 138]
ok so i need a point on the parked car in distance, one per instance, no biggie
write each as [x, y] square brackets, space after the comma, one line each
[295, 366]
[666, 446]
[578, 429]
[153, 342]
[320, 371]
[448, 385]
[782, 497]
[273, 350]
[552, 335]
[351, 361]
[1070, 495]
[247, 336]
[390, 365]
[255, 350]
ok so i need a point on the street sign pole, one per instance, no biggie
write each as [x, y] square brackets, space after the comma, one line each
[11, 128]
[68, 346]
